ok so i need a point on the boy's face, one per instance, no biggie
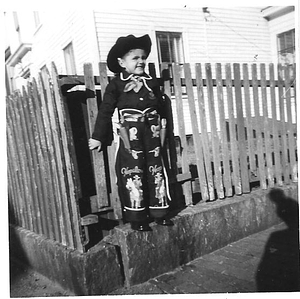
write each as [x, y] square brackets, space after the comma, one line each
[134, 61]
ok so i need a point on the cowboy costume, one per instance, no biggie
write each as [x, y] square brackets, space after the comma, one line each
[141, 177]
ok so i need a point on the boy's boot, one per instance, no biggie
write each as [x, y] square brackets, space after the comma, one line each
[141, 226]
[164, 221]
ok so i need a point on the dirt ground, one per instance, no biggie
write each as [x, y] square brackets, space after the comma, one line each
[25, 282]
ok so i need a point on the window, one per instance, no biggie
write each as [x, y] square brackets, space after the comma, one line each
[170, 47]
[69, 59]
[286, 47]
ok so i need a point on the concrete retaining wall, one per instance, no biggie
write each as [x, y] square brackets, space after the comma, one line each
[93, 273]
[128, 257]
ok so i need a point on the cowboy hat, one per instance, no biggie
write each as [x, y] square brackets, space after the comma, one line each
[123, 45]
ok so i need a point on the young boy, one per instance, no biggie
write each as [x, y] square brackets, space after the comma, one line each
[141, 177]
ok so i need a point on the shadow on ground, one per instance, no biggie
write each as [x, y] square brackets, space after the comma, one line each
[279, 269]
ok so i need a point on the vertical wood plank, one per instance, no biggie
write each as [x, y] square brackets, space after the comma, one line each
[18, 188]
[179, 108]
[35, 149]
[27, 206]
[31, 156]
[232, 132]
[56, 159]
[48, 180]
[278, 169]
[111, 151]
[249, 125]
[283, 137]
[241, 129]
[290, 129]
[48, 150]
[98, 162]
[70, 164]
[32, 179]
[224, 137]
[204, 133]
[214, 133]
[266, 130]
[259, 141]
[195, 130]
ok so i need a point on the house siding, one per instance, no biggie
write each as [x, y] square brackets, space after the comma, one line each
[217, 40]
[52, 37]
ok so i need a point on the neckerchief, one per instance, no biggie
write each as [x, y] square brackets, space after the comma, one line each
[135, 82]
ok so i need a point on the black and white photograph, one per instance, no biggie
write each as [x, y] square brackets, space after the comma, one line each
[151, 149]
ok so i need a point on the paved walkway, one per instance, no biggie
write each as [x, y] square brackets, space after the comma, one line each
[265, 261]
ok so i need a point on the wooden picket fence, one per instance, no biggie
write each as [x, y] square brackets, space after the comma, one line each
[42, 178]
[229, 127]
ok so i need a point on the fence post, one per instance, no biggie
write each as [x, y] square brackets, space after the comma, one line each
[98, 159]
[111, 150]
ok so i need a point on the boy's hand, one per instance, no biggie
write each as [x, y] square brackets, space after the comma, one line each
[94, 144]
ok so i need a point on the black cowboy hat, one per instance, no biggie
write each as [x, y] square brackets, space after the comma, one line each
[123, 45]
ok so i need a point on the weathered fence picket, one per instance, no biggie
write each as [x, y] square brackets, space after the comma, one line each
[214, 133]
[290, 130]
[275, 128]
[241, 129]
[258, 132]
[285, 165]
[35, 153]
[243, 132]
[204, 133]
[248, 122]
[224, 138]
[232, 133]
[268, 151]
[40, 141]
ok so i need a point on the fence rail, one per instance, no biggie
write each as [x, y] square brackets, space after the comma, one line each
[228, 127]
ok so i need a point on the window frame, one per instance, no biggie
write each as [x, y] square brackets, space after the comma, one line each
[176, 38]
[285, 50]
[69, 59]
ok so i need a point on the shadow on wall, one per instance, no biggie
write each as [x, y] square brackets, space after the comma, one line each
[279, 269]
